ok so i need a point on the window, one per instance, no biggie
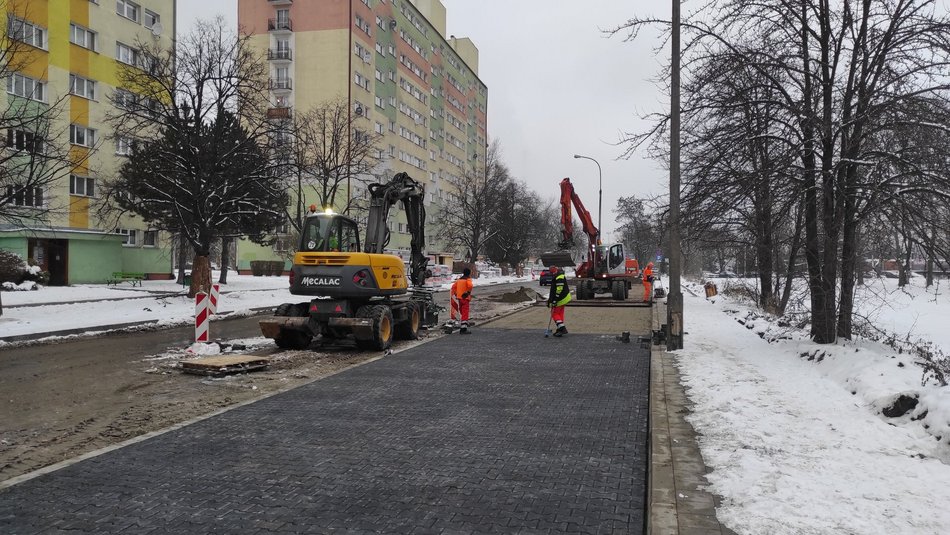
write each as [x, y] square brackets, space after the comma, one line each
[126, 54]
[81, 185]
[361, 80]
[150, 238]
[151, 19]
[82, 87]
[24, 140]
[127, 9]
[123, 99]
[26, 32]
[82, 37]
[24, 196]
[129, 235]
[82, 136]
[123, 146]
[23, 86]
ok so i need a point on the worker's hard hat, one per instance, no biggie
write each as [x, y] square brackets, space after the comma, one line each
[649, 263]
[553, 269]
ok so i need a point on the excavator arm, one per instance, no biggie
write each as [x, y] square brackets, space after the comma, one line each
[563, 257]
[382, 197]
[569, 196]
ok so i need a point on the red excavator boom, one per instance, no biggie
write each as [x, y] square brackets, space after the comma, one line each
[563, 256]
[568, 196]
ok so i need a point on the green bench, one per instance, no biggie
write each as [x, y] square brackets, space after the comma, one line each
[135, 279]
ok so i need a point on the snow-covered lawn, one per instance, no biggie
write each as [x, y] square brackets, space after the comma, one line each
[101, 306]
[795, 432]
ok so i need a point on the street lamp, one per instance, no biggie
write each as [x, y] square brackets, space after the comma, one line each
[600, 194]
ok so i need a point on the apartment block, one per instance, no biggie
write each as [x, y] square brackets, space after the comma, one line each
[402, 76]
[75, 49]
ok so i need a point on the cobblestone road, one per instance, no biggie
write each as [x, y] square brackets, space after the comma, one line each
[501, 431]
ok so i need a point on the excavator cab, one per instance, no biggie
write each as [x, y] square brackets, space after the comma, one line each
[329, 233]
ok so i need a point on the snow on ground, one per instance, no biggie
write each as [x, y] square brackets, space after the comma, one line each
[99, 306]
[795, 432]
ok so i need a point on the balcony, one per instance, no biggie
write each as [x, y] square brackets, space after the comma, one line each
[279, 25]
[279, 54]
[280, 84]
[280, 2]
[279, 112]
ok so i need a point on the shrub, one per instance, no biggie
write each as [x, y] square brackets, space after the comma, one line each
[12, 267]
[35, 274]
[258, 267]
[277, 267]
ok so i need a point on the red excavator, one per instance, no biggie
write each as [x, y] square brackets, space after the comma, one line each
[604, 268]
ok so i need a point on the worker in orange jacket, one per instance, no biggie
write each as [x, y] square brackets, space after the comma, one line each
[648, 282]
[461, 296]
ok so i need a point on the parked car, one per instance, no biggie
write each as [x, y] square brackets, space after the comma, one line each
[546, 277]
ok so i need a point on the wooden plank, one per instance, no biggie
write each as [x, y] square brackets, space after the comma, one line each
[224, 364]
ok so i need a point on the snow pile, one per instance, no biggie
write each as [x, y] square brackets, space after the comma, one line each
[22, 287]
[798, 435]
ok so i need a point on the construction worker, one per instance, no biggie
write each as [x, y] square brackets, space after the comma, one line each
[461, 296]
[648, 282]
[559, 297]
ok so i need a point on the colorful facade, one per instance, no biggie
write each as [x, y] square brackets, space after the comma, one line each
[75, 50]
[403, 78]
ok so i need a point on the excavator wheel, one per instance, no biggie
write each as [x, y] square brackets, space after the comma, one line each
[585, 289]
[382, 318]
[616, 290]
[409, 329]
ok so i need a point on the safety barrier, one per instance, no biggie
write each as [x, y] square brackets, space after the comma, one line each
[215, 296]
[201, 317]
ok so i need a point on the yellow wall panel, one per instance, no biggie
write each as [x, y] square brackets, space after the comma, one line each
[32, 10]
[79, 11]
[78, 110]
[78, 211]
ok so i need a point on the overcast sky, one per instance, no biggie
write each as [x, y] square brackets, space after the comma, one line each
[557, 86]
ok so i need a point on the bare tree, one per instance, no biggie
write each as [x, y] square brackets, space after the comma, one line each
[466, 218]
[840, 77]
[197, 121]
[518, 226]
[323, 153]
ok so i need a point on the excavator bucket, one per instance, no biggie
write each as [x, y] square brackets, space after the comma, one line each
[558, 258]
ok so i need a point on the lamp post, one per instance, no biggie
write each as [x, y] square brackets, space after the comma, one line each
[600, 194]
[674, 308]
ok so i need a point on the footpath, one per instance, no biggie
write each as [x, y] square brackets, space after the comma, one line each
[503, 431]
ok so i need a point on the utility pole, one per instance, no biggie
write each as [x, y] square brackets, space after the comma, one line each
[674, 301]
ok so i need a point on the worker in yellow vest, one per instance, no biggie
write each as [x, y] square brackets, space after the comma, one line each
[559, 297]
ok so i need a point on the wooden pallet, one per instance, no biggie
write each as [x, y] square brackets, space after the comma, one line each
[224, 364]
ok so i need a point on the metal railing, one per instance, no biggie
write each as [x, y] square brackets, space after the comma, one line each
[279, 25]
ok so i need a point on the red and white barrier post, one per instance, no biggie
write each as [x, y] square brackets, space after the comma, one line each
[201, 317]
[215, 296]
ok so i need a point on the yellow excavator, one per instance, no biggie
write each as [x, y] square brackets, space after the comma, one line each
[355, 288]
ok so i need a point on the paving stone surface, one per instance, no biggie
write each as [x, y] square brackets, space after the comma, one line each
[499, 431]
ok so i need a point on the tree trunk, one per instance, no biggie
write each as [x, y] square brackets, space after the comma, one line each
[930, 270]
[181, 258]
[848, 262]
[225, 259]
[200, 274]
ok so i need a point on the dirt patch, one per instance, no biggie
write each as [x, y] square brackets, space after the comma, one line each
[69, 404]
[521, 295]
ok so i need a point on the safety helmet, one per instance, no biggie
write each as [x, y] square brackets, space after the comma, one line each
[553, 269]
